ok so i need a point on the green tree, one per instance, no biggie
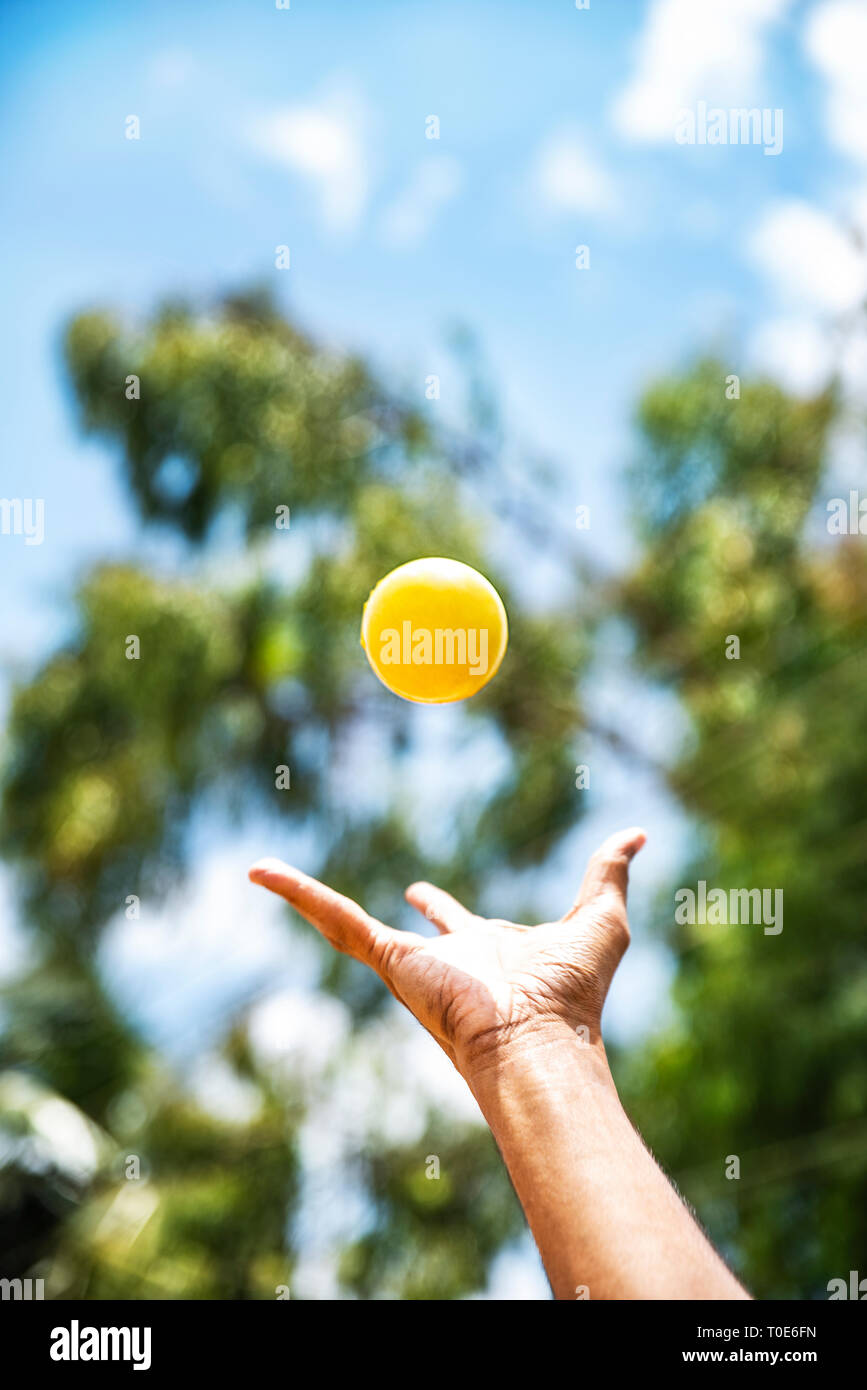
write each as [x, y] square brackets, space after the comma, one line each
[181, 690]
[248, 662]
[767, 1059]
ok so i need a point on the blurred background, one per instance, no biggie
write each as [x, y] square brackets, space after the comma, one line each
[328, 258]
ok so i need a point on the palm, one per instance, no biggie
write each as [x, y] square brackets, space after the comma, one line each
[482, 981]
[476, 985]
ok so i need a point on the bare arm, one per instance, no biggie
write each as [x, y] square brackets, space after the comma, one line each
[607, 1222]
[517, 1009]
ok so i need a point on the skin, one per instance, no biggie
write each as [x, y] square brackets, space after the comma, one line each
[517, 1009]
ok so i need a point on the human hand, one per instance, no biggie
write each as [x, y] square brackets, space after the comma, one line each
[484, 985]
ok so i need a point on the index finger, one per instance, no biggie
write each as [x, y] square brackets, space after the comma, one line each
[340, 920]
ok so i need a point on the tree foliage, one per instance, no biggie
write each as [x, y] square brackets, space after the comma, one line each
[767, 1060]
[242, 667]
[249, 659]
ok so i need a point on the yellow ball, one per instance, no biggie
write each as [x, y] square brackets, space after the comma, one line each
[434, 630]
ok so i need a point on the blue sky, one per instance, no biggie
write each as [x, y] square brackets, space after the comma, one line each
[306, 127]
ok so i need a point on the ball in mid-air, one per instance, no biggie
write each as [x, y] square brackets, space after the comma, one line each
[434, 630]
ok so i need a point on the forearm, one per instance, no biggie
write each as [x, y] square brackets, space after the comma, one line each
[603, 1215]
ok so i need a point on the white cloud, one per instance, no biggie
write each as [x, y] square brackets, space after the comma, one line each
[184, 964]
[325, 143]
[217, 1088]
[298, 1033]
[568, 178]
[818, 272]
[410, 216]
[812, 260]
[690, 51]
[835, 40]
[808, 258]
[796, 352]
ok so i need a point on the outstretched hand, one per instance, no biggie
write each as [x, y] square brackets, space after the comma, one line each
[483, 984]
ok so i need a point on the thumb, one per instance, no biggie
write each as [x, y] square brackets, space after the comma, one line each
[607, 874]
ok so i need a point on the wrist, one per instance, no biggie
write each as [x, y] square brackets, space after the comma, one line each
[539, 1048]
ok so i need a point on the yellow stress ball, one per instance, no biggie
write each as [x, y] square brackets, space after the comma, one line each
[434, 630]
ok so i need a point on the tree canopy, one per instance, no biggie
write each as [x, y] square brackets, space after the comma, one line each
[226, 423]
